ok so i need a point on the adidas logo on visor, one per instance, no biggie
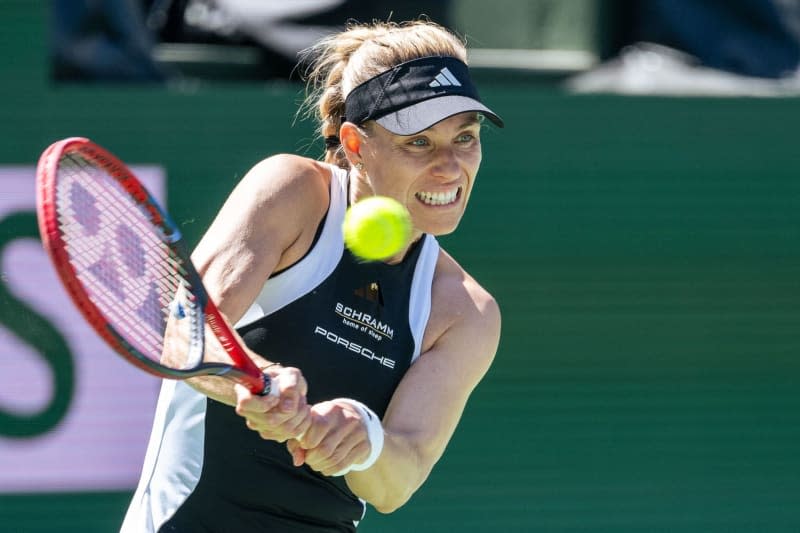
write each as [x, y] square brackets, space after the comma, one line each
[445, 78]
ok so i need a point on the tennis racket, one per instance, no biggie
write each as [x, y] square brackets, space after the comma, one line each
[123, 263]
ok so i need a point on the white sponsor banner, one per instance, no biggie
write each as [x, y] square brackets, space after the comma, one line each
[99, 442]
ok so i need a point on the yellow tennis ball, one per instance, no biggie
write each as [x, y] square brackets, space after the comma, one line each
[376, 228]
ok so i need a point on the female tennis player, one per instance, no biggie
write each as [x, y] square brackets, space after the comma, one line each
[389, 351]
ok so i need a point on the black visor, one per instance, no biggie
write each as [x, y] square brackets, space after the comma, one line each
[415, 95]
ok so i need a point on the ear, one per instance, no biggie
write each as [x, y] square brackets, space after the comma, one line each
[350, 137]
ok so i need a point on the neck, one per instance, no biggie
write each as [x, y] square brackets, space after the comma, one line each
[358, 187]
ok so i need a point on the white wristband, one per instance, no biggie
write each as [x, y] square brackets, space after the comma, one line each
[375, 436]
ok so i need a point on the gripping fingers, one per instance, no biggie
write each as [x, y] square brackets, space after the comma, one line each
[346, 455]
[290, 386]
[342, 447]
[248, 403]
[281, 427]
[281, 415]
[297, 425]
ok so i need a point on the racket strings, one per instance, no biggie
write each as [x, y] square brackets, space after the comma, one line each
[120, 256]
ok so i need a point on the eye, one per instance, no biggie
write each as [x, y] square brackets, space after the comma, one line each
[419, 141]
[466, 138]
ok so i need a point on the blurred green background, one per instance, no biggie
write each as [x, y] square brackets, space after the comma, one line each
[645, 255]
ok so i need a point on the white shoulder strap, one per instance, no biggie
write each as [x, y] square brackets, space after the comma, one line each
[419, 307]
[315, 267]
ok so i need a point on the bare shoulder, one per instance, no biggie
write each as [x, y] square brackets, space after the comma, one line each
[462, 295]
[267, 223]
[290, 175]
[283, 196]
[291, 195]
[462, 311]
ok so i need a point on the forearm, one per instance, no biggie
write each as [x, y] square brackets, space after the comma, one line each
[216, 388]
[401, 469]
[176, 347]
[222, 389]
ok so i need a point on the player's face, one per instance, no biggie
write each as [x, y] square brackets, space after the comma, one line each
[431, 173]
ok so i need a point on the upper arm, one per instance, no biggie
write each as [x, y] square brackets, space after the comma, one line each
[440, 382]
[267, 223]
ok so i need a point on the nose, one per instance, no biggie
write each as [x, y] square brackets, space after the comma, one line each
[447, 163]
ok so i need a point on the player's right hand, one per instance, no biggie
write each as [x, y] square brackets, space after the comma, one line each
[282, 417]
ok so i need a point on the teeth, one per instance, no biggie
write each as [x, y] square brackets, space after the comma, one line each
[438, 198]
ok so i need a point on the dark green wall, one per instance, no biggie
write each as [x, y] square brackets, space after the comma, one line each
[645, 255]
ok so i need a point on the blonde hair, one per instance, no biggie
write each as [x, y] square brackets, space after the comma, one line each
[344, 60]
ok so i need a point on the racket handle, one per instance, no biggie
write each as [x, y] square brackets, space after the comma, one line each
[263, 385]
[259, 385]
[270, 387]
[249, 374]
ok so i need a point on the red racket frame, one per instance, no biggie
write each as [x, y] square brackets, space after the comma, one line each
[243, 369]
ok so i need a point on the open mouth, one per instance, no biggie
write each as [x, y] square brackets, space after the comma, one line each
[439, 198]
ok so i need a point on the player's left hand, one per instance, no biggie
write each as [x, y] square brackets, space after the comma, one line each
[335, 439]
